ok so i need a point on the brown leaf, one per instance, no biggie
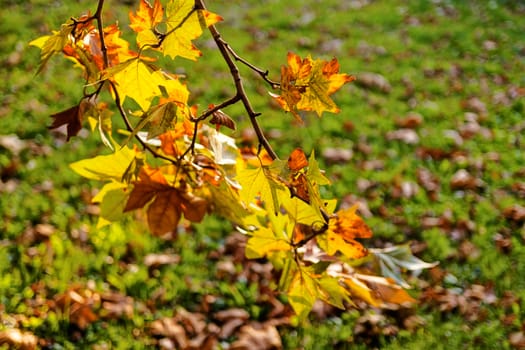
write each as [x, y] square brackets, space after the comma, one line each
[16, 339]
[373, 81]
[258, 337]
[408, 136]
[168, 327]
[71, 117]
[517, 340]
[115, 305]
[77, 306]
[410, 121]
[515, 213]
[155, 260]
[219, 118]
[337, 155]
[428, 181]
[463, 180]
[166, 203]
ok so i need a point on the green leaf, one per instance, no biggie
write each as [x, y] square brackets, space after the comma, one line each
[108, 167]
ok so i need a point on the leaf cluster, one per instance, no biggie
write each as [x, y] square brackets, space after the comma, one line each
[176, 164]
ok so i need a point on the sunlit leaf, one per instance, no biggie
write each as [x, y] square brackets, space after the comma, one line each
[164, 203]
[112, 198]
[302, 293]
[107, 167]
[137, 80]
[53, 44]
[264, 241]
[307, 84]
[184, 24]
[260, 182]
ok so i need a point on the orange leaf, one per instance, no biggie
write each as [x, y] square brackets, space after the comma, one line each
[166, 203]
[349, 225]
[307, 85]
[147, 16]
[297, 160]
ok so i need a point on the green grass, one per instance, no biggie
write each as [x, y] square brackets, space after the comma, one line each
[435, 55]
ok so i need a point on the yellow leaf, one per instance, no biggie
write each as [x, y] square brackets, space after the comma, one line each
[137, 80]
[361, 290]
[264, 241]
[261, 182]
[185, 24]
[112, 198]
[52, 44]
[109, 167]
[341, 234]
[302, 293]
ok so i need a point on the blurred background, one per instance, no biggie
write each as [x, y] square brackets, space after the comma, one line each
[429, 142]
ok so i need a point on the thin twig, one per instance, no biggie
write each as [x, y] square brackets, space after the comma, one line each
[261, 72]
[199, 4]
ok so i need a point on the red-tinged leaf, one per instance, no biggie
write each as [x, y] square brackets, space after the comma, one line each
[307, 85]
[147, 16]
[71, 117]
[297, 160]
[349, 225]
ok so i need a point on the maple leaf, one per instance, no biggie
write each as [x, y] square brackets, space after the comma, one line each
[307, 85]
[53, 44]
[144, 22]
[71, 117]
[307, 286]
[112, 198]
[261, 182]
[106, 167]
[137, 80]
[147, 16]
[165, 204]
[264, 241]
[342, 232]
[184, 24]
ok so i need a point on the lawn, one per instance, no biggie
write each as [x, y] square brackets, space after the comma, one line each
[430, 142]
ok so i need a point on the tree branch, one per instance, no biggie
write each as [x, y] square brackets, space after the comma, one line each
[199, 4]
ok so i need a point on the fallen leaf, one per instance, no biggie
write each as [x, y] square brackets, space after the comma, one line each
[258, 337]
[411, 121]
[515, 213]
[408, 136]
[463, 180]
[155, 260]
[337, 155]
[16, 339]
[373, 81]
